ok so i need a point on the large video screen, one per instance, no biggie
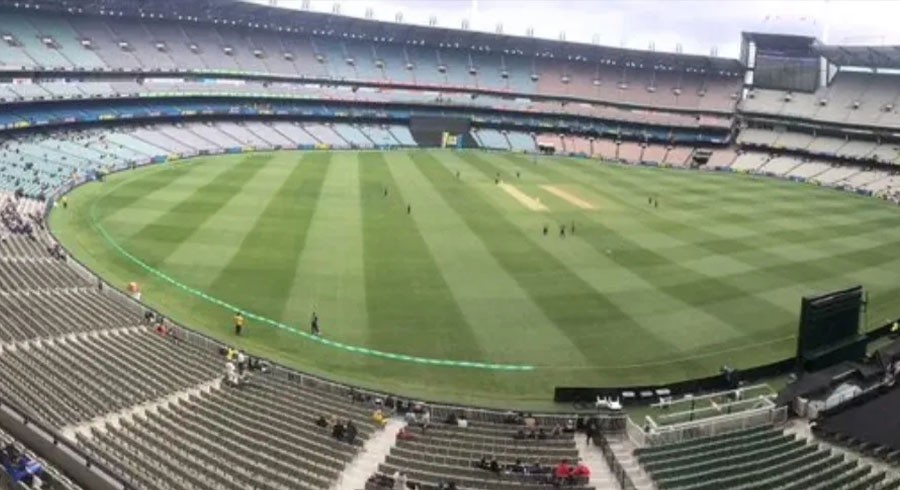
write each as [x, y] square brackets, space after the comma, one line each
[785, 69]
[829, 320]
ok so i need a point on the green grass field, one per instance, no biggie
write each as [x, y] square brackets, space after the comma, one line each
[637, 295]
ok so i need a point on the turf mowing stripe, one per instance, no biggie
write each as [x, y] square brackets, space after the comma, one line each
[406, 294]
[641, 299]
[138, 264]
[785, 271]
[507, 324]
[782, 273]
[262, 271]
[634, 255]
[131, 206]
[200, 257]
[330, 272]
[159, 238]
[636, 294]
[578, 311]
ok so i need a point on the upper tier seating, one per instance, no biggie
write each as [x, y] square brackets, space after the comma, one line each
[851, 98]
[152, 45]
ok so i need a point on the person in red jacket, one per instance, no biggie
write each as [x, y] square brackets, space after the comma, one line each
[562, 471]
[581, 473]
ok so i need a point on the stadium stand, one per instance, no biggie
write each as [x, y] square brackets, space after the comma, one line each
[722, 159]
[630, 152]
[748, 162]
[865, 425]
[28, 470]
[756, 458]
[491, 138]
[678, 156]
[519, 141]
[151, 45]
[654, 154]
[150, 405]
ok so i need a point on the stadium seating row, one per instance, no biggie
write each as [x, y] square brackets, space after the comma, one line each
[79, 89]
[37, 164]
[757, 458]
[865, 99]
[36, 42]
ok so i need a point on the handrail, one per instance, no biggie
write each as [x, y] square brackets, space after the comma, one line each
[56, 449]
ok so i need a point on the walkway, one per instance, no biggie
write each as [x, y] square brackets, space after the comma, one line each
[623, 448]
[372, 454]
[601, 476]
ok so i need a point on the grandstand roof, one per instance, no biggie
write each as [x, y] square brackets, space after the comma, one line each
[240, 12]
[864, 56]
[763, 39]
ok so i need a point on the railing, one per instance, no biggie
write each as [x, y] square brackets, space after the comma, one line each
[615, 466]
[655, 436]
[58, 451]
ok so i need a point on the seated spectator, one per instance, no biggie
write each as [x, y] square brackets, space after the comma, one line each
[581, 473]
[322, 422]
[570, 426]
[541, 434]
[404, 434]
[483, 464]
[451, 419]
[518, 467]
[379, 418]
[338, 431]
[462, 421]
[536, 468]
[509, 417]
[530, 421]
[400, 481]
[162, 330]
[532, 434]
[519, 435]
[562, 471]
[350, 432]
[557, 431]
[495, 466]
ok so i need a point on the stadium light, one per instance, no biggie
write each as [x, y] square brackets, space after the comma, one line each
[336, 8]
[465, 24]
[499, 28]
[530, 31]
[432, 21]
[398, 17]
[370, 13]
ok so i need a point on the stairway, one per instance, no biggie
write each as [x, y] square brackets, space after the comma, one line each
[601, 476]
[369, 457]
[623, 448]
